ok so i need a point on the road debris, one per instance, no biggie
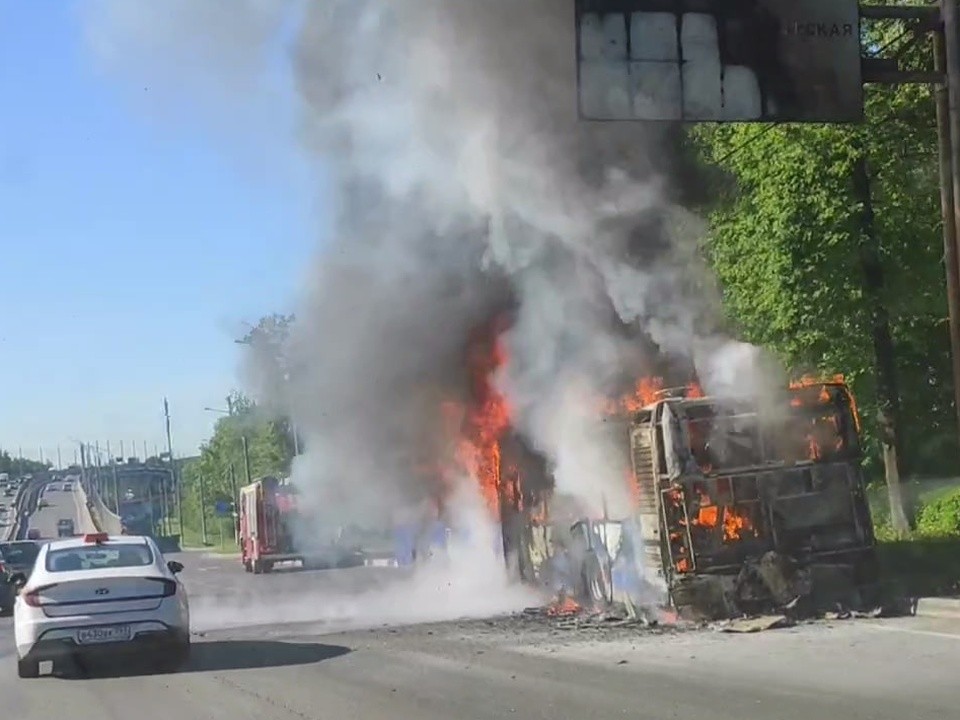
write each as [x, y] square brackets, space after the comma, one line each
[756, 624]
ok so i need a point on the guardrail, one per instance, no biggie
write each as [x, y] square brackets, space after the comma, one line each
[10, 531]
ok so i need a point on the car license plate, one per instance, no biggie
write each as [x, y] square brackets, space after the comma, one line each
[109, 634]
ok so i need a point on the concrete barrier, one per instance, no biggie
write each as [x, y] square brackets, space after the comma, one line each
[87, 522]
[939, 607]
[107, 520]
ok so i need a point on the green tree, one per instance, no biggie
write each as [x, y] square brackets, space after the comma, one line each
[20, 466]
[794, 244]
[268, 449]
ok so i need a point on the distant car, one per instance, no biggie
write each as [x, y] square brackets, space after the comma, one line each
[67, 487]
[65, 528]
[105, 595]
[33, 534]
[53, 488]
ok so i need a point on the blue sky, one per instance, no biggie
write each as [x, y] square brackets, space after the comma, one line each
[133, 249]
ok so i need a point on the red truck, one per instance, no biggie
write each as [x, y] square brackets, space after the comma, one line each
[272, 530]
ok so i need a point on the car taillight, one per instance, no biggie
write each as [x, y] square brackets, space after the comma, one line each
[32, 597]
[169, 586]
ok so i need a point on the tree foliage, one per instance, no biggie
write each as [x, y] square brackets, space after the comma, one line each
[785, 233]
[18, 466]
[221, 464]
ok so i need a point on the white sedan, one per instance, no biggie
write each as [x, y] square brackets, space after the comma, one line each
[104, 595]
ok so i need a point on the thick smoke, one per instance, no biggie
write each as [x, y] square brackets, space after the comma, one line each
[462, 169]
[465, 185]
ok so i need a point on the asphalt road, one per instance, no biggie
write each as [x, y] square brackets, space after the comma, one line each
[60, 505]
[276, 648]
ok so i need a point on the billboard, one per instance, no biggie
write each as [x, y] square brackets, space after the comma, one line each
[719, 60]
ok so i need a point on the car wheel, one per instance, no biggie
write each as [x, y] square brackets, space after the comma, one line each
[28, 668]
[257, 567]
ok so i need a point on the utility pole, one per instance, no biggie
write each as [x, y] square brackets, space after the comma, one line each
[203, 510]
[59, 460]
[153, 516]
[106, 496]
[173, 469]
[96, 448]
[236, 501]
[246, 458]
[165, 500]
[116, 483]
[83, 469]
[946, 58]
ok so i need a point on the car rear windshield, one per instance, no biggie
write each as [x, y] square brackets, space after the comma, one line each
[19, 553]
[97, 557]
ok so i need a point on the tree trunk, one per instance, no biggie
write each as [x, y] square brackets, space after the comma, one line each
[885, 364]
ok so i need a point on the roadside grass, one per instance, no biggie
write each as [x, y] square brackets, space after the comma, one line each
[916, 493]
[926, 560]
[922, 566]
[220, 537]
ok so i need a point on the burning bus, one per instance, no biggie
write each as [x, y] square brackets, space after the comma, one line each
[741, 503]
[735, 502]
[737, 505]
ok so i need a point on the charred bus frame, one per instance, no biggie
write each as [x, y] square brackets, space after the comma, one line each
[722, 482]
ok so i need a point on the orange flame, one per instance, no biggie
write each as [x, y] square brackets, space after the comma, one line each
[643, 394]
[487, 418]
[564, 606]
[824, 434]
[735, 524]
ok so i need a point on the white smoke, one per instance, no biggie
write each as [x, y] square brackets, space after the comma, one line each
[464, 182]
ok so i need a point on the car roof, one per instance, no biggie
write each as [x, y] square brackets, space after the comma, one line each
[76, 542]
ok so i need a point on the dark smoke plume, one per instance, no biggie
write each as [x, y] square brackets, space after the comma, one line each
[464, 184]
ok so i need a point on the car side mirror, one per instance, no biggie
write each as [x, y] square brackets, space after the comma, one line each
[18, 579]
[174, 566]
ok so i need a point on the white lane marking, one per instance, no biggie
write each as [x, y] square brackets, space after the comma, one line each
[930, 633]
